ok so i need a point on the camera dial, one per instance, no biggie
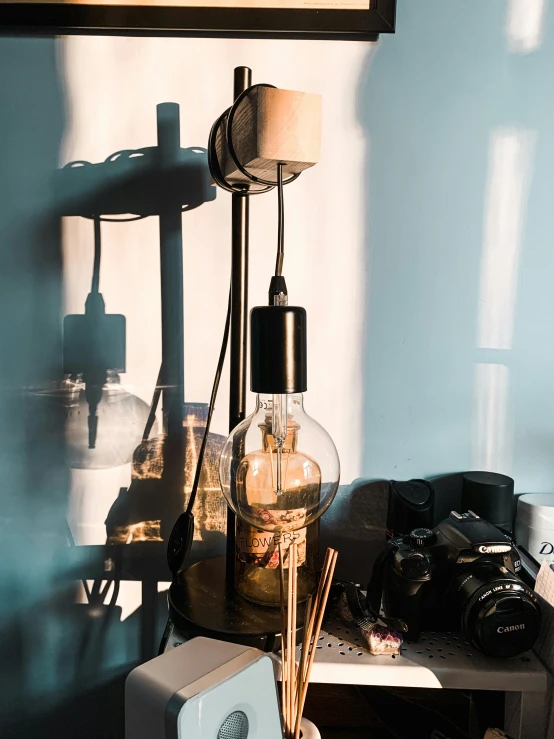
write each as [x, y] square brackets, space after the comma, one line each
[421, 538]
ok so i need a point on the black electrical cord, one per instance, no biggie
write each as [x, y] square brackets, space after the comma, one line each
[280, 223]
[211, 407]
[182, 534]
[223, 127]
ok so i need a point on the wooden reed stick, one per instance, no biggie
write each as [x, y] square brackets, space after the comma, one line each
[295, 679]
[328, 574]
[291, 639]
[307, 645]
[302, 663]
[294, 566]
[283, 634]
[314, 610]
[290, 654]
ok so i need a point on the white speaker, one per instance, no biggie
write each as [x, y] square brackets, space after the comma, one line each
[203, 689]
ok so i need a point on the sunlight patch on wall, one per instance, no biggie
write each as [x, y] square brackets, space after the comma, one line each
[130, 597]
[510, 167]
[525, 25]
[492, 420]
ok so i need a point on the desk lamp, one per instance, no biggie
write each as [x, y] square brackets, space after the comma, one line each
[279, 469]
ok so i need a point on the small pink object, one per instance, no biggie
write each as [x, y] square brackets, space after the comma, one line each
[381, 640]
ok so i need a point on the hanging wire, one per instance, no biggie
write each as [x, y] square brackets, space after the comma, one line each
[211, 408]
[226, 119]
[280, 222]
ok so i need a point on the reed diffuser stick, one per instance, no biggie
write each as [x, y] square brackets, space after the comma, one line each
[320, 613]
[294, 573]
[313, 614]
[290, 649]
[295, 679]
[306, 638]
[283, 636]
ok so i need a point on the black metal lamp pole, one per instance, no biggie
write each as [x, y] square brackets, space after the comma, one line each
[239, 318]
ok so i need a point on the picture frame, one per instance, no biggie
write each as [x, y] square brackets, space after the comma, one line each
[308, 19]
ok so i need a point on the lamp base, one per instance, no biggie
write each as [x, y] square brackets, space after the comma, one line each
[200, 605]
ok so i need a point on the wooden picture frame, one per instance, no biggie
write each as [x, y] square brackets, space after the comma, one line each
[213, 18]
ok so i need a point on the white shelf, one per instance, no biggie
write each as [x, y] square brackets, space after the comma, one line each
[438, 660]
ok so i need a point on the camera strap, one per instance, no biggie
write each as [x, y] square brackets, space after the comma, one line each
[375, 591]
[375, 587]
[364, 616]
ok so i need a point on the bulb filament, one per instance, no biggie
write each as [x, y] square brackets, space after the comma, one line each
[280, 430]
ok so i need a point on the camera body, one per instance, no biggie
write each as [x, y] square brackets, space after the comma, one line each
[462, 574]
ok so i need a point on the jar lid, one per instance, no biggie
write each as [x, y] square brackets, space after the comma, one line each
[536, 509]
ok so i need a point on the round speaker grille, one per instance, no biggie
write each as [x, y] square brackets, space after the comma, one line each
[235, 726]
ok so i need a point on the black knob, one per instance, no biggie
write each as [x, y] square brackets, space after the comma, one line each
[421, 538]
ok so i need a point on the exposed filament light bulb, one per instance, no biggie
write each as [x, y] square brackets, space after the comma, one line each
[279, 469]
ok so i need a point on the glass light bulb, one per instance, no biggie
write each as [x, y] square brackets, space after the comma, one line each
[279, 469]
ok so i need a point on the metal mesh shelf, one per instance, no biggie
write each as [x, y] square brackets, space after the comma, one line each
[438, 660]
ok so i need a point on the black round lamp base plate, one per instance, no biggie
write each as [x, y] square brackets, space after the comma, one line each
[200, 605]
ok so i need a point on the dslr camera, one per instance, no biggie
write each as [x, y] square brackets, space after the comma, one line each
[463, 573]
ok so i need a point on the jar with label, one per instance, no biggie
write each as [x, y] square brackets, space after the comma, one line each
[257, 572]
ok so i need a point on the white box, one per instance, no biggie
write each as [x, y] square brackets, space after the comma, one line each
[535, 525]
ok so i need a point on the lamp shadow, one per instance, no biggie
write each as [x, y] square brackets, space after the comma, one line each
[166, 180]
[142, 182]
[64, 662]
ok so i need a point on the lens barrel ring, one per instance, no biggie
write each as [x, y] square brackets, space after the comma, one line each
[468, 608]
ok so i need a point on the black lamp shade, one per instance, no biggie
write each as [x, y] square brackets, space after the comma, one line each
[278, 349]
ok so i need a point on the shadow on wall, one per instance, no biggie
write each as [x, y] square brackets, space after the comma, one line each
[41, 627]
[355, 524]
[457, 369]
[63, 662]
[34, 478]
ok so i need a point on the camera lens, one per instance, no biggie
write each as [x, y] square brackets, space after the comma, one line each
[500, 614]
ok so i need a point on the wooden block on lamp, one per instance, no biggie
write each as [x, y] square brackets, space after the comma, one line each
[272, 126]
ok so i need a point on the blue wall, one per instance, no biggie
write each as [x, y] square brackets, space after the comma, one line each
[431, 100]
